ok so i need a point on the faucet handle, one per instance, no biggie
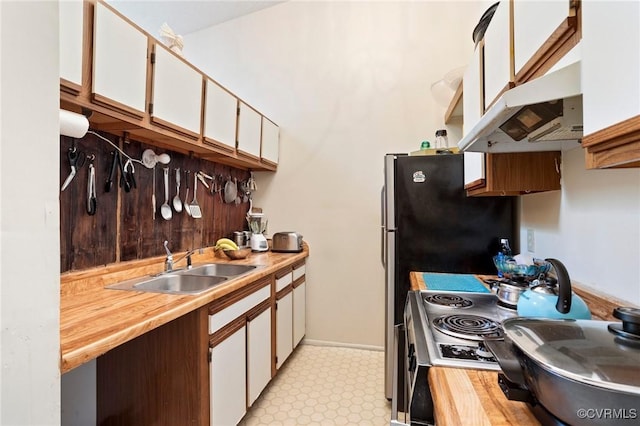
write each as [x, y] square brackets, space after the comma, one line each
[166, 247]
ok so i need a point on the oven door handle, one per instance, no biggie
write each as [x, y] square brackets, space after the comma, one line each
[399, 328]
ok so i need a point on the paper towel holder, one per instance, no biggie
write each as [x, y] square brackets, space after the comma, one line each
[73, 124]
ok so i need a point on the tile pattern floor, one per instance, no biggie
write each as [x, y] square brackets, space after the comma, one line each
[324, 385]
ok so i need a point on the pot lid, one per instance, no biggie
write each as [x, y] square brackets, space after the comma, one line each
[583, 350]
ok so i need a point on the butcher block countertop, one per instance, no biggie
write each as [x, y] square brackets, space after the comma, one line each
[94, 320]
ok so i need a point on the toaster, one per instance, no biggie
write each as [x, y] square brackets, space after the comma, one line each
[286, 242]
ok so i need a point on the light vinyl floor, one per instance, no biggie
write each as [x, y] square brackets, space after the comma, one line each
[324, 385]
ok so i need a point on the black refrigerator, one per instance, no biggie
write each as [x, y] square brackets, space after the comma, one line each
[430, 225]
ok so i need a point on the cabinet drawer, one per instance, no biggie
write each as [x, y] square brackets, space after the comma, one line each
[299, 272]
[228, 314]
[284, 281]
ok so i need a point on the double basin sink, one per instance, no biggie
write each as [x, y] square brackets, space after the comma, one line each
[187, 281]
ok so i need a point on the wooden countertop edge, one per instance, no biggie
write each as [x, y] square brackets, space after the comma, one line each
[94, 320]
[473, 397]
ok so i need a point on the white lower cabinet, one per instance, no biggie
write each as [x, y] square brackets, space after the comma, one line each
[299, 312]
[258, 354]
[284, 328]
[228, 382]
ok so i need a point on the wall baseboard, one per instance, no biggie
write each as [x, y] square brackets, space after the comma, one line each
[312, 342]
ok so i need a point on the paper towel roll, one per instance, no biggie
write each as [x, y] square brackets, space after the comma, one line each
[73, 124]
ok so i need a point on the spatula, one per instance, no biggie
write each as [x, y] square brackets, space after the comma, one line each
[196, 213]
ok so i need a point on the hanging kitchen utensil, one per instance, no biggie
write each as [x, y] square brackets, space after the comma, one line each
[124, 177]
[230, 191]
[130, 171]
[153, 193]
[150, 159]
[76, 160]
[177, 203]
[91, 190]
[196, 213]
[108, 184]
[165, 209]
[252, 183]
[187, 207]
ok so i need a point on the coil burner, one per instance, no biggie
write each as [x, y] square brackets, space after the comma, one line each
[448, 300]
[471, 327]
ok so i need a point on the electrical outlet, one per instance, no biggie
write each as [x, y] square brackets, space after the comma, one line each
[531, 241]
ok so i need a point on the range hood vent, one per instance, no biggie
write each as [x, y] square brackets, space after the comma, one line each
[544, 114]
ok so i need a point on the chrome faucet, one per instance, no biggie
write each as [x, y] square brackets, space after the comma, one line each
[169, 262]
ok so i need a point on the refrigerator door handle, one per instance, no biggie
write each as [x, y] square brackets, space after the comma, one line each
[383, 236]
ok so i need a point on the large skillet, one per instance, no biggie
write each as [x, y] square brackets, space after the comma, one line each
[583, 372]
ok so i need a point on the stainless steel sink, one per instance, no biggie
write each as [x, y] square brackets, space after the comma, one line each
[178, 283]
[187, 281]
[218, 270]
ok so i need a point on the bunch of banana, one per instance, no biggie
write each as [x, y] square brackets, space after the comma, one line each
[226, 244]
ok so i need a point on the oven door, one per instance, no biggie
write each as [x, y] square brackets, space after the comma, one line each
[400, 377]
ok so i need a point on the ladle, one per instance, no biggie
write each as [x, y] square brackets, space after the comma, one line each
[177, 203]
[165, 209]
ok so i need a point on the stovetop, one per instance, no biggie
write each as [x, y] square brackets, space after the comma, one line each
[457, 325]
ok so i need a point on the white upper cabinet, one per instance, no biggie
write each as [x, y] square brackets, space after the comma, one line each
[472, 101]
[119, 62]
[70, 37]
[270, 140]
[220, 116]
[497, 54]
[177, 92]
[249, 129]
[533, 23]
[610, 63]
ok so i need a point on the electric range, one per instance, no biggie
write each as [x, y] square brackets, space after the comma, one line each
[446, 329]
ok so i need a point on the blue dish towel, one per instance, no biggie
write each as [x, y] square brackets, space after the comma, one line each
[453, 282]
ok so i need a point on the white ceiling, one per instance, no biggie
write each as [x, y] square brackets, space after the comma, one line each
[185, 16]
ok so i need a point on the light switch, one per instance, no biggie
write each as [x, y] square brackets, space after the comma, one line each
[531, 240]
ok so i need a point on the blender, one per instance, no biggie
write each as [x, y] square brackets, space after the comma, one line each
[257, 225]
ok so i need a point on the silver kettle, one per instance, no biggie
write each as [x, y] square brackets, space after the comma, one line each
[553, 301]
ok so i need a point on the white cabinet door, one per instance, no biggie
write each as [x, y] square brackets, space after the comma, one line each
[299, 313]
[177, 92]
[497, 53]
[284, 328]
[473, 167]
[70, 37]
[221, 114]
[227, 379]
[249, 128]
[533, 23]
[119, 62]
[610, 63]
[258, 354]
[270, 140]
[472, 101]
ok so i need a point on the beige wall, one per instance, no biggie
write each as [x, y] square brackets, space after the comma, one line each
[29, 216]
[347, 82]
[592, 225]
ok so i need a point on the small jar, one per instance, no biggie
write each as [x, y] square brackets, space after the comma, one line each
[442, 142]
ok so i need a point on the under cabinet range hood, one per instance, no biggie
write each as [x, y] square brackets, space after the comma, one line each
[544, 114]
